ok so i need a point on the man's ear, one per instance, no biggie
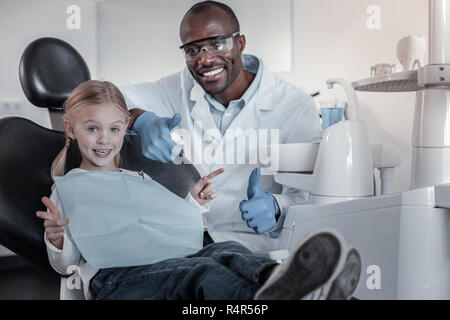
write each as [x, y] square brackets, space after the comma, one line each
[69, 130]
[241, 43]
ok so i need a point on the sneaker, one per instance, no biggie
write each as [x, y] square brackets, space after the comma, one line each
[346, 282]
[344, 285]
[315, 263]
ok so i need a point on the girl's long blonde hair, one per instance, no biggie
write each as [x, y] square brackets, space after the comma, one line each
[88, 93]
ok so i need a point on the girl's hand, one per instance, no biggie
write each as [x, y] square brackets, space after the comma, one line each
[53, 222]
[203, 191]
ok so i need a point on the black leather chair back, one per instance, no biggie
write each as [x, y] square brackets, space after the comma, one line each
[49, 70]
[27, 151]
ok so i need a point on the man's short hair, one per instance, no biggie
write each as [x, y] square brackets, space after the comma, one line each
[204, 5]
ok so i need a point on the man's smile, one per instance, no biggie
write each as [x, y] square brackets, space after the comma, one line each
[211, 73]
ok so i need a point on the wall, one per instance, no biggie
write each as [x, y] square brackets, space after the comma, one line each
[22, 21]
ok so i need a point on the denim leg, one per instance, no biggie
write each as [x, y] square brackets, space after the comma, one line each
[238, 258]
[220, 271]
[191, 278]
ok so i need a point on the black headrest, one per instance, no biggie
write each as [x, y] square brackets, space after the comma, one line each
[49, 70]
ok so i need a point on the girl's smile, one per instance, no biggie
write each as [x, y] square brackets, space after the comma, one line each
[99, 130]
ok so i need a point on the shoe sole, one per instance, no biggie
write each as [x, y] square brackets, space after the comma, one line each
[314, 263]
[346, 282]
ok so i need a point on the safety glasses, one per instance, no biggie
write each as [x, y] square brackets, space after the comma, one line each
[215, 45]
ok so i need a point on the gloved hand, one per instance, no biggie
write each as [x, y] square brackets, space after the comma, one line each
[155, 137]
[261, 208]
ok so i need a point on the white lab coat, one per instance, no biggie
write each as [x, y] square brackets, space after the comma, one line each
[276, 105]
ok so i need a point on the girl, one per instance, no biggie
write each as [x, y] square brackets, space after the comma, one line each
[97, 118]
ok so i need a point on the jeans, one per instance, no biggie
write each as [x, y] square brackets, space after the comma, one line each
[219, 271]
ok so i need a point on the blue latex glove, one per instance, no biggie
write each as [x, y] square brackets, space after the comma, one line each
[155, 137]
[261, 208]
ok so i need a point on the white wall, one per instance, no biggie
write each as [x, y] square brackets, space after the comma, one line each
[21, 22]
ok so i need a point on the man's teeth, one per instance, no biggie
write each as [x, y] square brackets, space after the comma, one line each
[212, 73]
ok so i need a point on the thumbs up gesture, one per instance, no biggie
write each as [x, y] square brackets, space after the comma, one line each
[260, 209]
[155, 137]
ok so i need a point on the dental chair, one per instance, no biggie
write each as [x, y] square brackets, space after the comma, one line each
[49, 70]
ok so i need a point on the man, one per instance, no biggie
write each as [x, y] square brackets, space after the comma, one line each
[220, 91]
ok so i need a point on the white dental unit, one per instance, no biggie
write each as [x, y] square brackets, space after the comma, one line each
[404, 238]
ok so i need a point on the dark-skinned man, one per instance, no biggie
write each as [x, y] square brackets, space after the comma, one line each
[220, 98]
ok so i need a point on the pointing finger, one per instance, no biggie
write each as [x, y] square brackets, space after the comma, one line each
[215, 173]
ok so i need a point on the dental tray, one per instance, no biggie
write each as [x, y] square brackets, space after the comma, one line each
[397, 82]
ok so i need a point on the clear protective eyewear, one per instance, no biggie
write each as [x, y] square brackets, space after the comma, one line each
[215, 45]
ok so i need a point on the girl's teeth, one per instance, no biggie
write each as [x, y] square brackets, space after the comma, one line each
[102, 151]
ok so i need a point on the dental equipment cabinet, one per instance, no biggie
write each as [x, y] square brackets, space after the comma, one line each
[403, 238]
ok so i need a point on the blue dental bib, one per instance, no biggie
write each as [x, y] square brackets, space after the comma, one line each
[120, 220]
